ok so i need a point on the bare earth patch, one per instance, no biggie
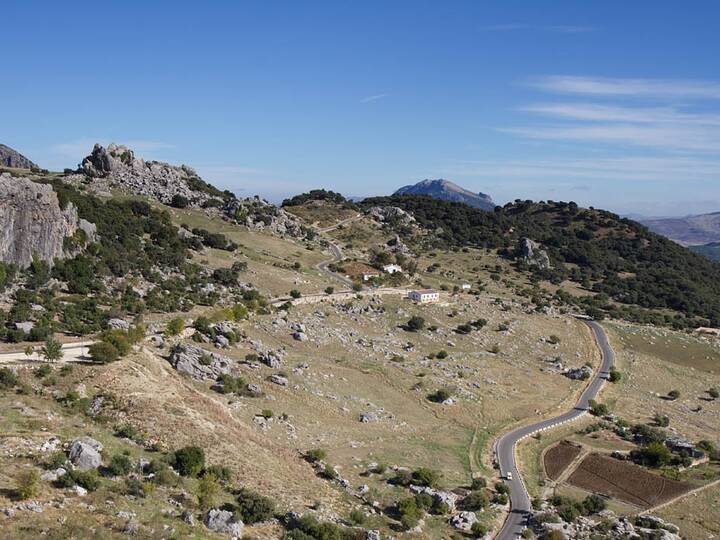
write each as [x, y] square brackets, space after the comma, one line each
[625, 481]
[558, 458]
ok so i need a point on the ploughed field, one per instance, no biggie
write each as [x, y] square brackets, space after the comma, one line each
[625, 481]
[559, 457]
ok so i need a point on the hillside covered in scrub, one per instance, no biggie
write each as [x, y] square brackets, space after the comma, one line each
[618, 258]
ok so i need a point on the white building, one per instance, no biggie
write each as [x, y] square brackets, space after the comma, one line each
[424, 296]
[392, 268]
[466, 287]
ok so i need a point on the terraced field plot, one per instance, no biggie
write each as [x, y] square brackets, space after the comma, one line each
[559, 457]
[625, 481]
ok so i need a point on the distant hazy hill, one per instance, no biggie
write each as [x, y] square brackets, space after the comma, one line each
[689, 230]
[448, 191]
[13, 159]
[711, 250]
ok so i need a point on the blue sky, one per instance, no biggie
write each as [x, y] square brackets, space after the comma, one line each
[612, 104]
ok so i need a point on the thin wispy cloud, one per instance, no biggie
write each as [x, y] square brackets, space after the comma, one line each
[609, 113]
[677, 138]
[677, 115]
[648, 88]
[370, 99]
[559, 28]
[630, 168]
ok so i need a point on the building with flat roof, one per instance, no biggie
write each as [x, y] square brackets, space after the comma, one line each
[424, 296]
[392, 268]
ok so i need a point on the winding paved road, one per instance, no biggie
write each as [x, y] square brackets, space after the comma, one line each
[520, 503]
[336, 251]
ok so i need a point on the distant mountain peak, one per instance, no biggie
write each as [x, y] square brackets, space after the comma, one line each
[448, 191]
[14, 159]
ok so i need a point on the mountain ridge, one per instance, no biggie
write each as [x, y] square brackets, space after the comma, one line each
[13, 159]
[689, 230]
[448, 191]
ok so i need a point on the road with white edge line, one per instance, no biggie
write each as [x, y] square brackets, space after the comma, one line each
[520, 503]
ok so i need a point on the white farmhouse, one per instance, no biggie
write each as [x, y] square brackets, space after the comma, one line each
[392, 268]
[466, 287]
[424, 296]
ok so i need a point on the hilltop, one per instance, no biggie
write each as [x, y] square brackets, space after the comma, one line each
[618, 259]
[13, 159]
[448, 191]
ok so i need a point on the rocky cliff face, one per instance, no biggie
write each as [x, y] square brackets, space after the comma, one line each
[32, 222]
[157, 180]
[13, 159]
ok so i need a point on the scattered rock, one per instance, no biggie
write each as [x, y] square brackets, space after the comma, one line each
[279, 379]
[85, 453]
[463, 520]
[222, 521]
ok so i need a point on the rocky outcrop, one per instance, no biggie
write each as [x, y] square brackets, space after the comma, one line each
[396, 245]
[157, 180]
[14, 159]
[223, 522]
[259, 215]
[391, 214]
[199, 363]
[644, 527]
[32, 222]
[531, 253]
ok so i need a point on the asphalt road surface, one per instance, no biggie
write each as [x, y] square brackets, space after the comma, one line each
[72, 352]
[336, 252]
[520, 504]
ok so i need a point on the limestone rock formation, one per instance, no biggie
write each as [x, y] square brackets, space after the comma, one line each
[391, 214]
[14, 159]
[199, 363]
[32, 222]
[157, 180]
[85, 453]
[531, 253]
[259, 215]
[223, 521]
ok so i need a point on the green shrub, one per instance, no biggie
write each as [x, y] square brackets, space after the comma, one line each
[315, 455]
[253, 507]
[476, 500]
[189, 461]
[478, 483]
[425, 477]
[85, 479]
[478, 529]
[42, 371]
[28, 485]
[175, 326]
[103, 352]
[440, 395]
[207, 491]
[120, 465]
[127, 431]
[357, 516]
[8, 379]
[415, 323]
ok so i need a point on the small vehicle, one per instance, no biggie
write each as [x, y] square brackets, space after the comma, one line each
[509, 475]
